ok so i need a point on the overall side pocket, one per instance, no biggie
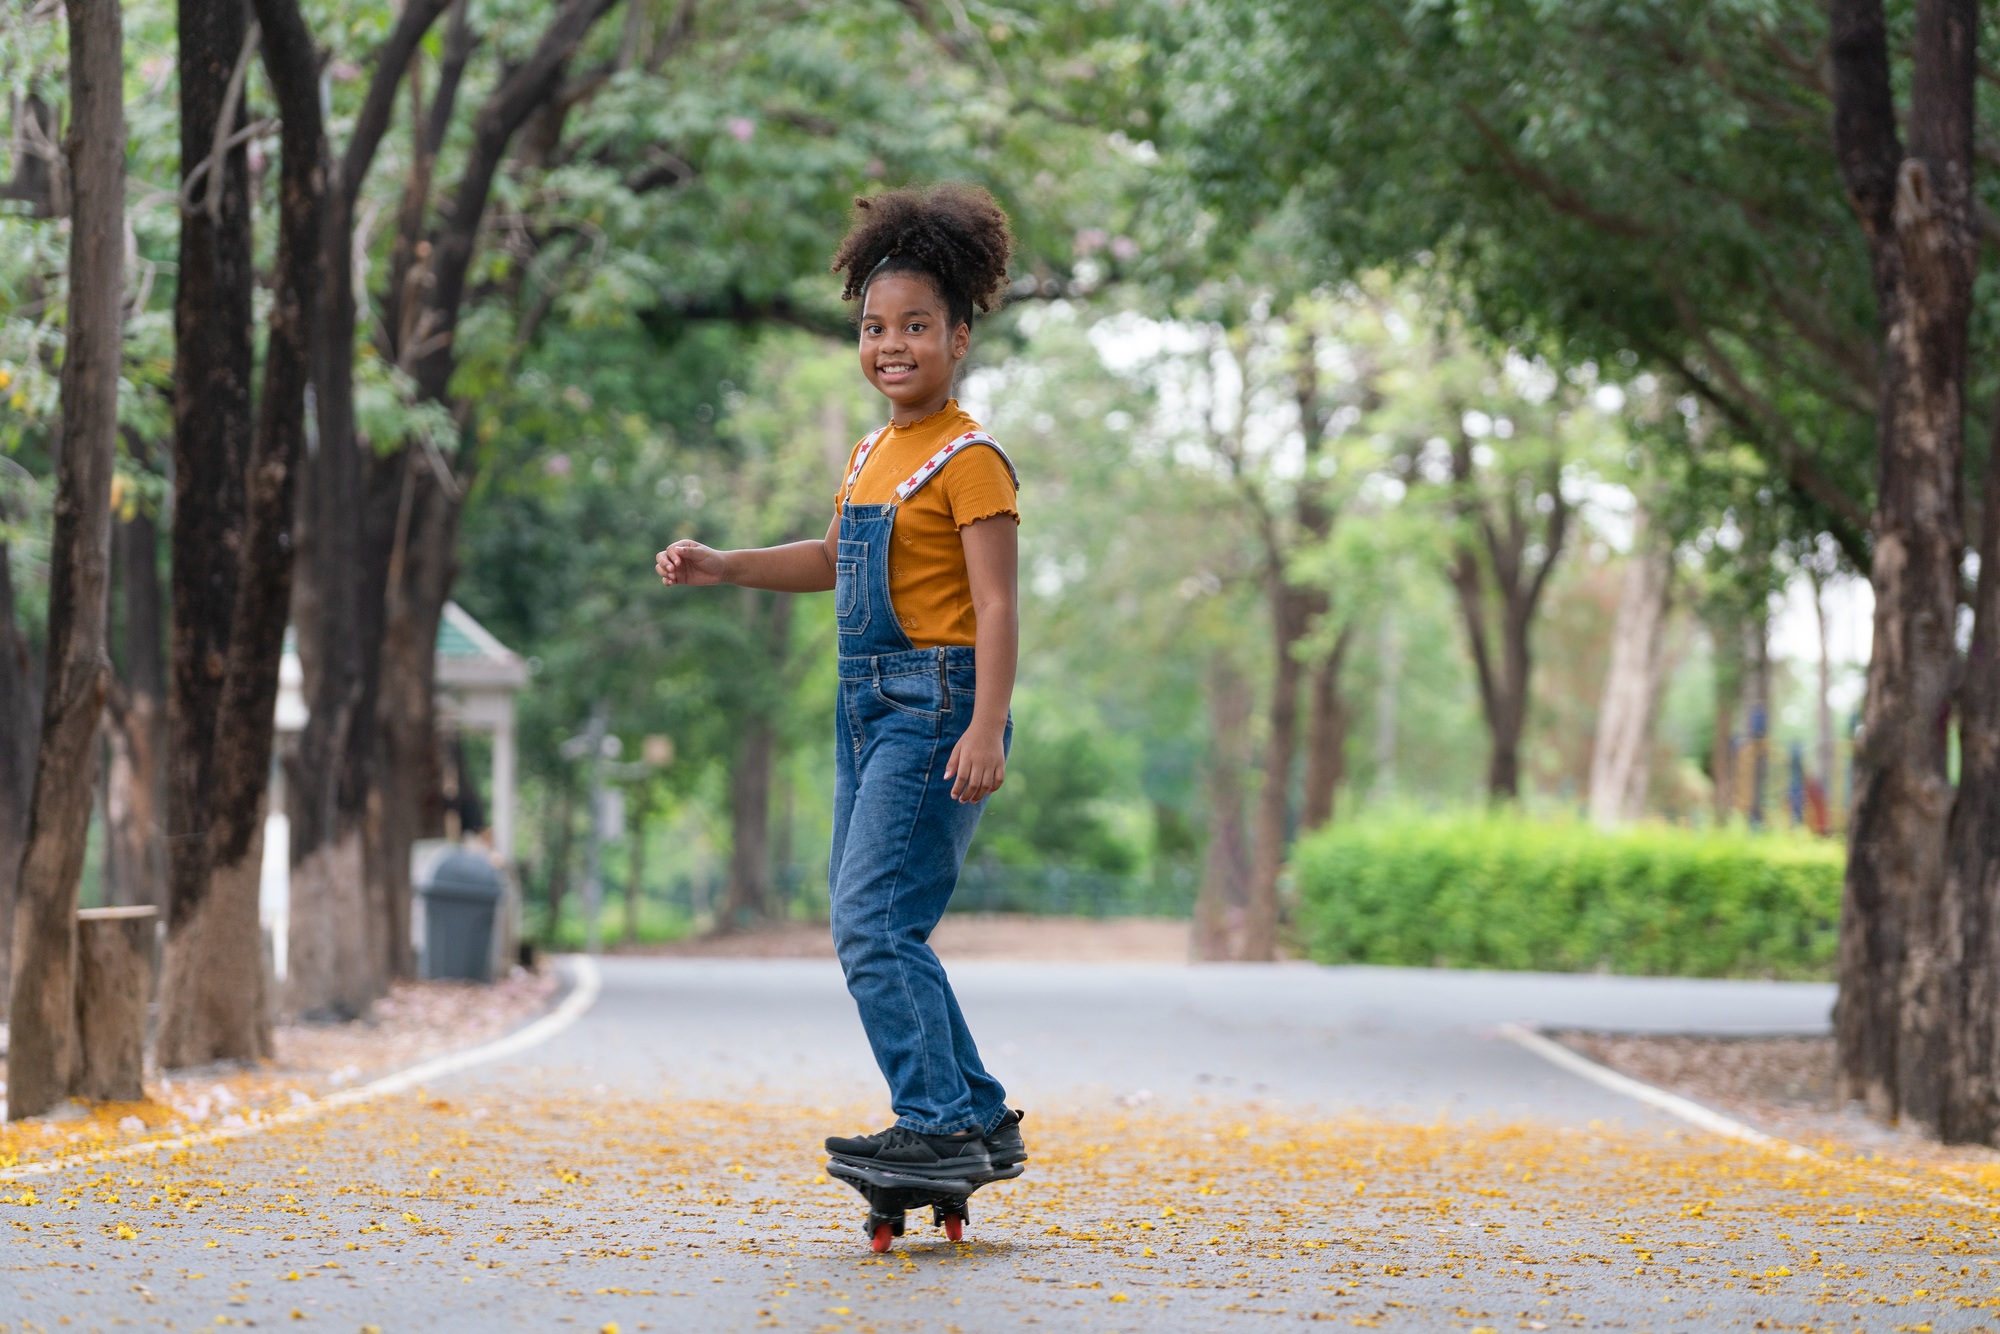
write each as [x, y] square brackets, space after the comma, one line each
[914, 693]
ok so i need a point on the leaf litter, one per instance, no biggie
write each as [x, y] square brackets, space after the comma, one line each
[620, 1205]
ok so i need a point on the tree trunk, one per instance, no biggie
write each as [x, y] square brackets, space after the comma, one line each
[336, 607]
[784, 821]
[635, 862]
[114, 984]
[1967, 1093]
[1220, 905]
[1326, 737]
[1290, 611]
[1622, 750]
[559, 838]
[1326, 718]
[1494, 547]
[1823, 700]
[135, 864]
[42, 1056]
[1757, 716]
[1390, 666]
[1892, 1022]
[212, 1000]
[20, 725]
[336, 960]
[403, 768]
[748, 897]
[212, 428]
[40, 179]
[405, 777]
[1725, 635]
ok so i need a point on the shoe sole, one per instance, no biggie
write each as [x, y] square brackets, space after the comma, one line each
[885, 1179]
[849, 1172]
[1000, 1173]
[973, 1170]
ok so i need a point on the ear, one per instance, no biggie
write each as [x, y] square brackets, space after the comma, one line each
[961, 340]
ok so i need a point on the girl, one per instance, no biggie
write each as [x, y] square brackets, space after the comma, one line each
[921, 560]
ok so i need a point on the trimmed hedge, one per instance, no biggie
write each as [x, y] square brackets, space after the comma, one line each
[1477, 891]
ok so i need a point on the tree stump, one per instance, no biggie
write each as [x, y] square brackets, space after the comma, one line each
[114, 980]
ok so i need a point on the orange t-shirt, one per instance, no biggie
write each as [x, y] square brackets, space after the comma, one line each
[927, 578]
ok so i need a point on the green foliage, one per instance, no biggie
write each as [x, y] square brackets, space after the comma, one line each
[1049, 809]
[659, 923]
[1496, 892]
[1653, 182]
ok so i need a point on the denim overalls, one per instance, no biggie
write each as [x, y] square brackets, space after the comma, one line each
[898, 837]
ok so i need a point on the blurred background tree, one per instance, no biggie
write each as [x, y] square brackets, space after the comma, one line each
[1455, 407]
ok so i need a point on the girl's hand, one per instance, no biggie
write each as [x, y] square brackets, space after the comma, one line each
[689, 563]
[977, 767]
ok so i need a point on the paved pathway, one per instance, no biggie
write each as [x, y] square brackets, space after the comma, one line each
[1213, 1148]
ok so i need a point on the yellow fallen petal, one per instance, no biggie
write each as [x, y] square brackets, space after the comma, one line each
[609, 1327]
[125, 1233]
[1120, 1297]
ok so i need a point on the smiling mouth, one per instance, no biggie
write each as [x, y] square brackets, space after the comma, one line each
[896, 368]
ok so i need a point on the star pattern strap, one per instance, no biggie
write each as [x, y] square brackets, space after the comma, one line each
[916, 480]
[861, 457]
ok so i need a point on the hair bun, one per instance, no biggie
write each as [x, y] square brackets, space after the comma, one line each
[955, 234]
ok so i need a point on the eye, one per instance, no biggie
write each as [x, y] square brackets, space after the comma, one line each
[916, 326]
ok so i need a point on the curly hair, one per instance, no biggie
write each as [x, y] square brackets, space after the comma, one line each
[955, 235]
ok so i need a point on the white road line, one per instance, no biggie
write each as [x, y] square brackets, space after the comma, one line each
[588, 983]
[1671, 1103]
[1716, 1123]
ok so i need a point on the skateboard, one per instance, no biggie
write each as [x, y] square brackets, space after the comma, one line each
[891, 1195]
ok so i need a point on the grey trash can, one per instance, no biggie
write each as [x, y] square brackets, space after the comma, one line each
[461, 892]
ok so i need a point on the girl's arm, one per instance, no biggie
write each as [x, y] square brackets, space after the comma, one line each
[978, 762]
[795, 567]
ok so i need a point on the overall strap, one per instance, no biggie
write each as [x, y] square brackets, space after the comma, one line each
[860, 457]
[938, 460]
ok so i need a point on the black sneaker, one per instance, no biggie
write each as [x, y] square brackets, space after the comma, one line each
[1003, 1142]
[906, 1152]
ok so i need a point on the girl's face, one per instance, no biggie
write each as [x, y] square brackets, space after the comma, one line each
[909, 347]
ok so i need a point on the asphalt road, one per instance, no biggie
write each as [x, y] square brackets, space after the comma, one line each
[1211, 1148]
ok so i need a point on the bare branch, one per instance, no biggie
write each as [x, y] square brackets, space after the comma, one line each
[212, 201]
[1559, 196]
[391, 59]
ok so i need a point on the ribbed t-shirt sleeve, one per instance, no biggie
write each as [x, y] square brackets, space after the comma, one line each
[978, 486]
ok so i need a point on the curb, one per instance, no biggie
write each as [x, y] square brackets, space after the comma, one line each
[1692, 1112]
[582, 995]
[1671, 1103]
